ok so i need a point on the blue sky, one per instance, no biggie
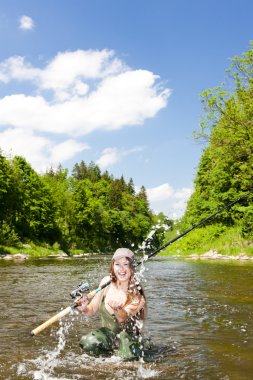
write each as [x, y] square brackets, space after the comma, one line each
[116, 82]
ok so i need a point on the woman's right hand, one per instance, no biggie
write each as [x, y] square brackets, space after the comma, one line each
[82, 303]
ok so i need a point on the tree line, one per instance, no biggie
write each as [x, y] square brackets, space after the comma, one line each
[225, 170]
[88, 210]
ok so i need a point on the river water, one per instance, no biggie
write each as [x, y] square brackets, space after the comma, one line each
[203, 310]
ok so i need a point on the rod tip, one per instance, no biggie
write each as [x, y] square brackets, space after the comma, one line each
[32, 333]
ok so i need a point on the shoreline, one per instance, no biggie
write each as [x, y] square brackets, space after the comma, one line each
[214, 255]
[210, 255]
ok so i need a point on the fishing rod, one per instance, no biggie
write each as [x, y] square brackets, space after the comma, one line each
[197, 225]
[84, 286]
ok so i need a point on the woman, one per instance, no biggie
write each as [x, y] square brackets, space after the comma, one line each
[122, 307]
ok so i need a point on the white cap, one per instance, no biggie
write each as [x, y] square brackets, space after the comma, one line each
[122, 252]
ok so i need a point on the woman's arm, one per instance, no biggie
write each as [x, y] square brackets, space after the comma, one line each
[91, 308]
[137, 303]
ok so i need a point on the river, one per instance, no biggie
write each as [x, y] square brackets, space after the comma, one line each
[203, 310]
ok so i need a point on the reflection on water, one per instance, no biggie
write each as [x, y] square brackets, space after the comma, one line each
[204, 309]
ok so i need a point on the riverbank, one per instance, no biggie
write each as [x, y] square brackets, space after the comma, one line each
[17, 255]
[212, 242]
[30, 250]
[205, 243]
[214, 255]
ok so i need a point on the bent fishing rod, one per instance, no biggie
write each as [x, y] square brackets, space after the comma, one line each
[84, 286]
[203, 221]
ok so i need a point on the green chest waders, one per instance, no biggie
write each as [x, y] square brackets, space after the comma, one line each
[110, 339]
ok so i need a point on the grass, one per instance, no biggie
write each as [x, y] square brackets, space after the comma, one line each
[31, 249]
[227, 241]
[35, 250]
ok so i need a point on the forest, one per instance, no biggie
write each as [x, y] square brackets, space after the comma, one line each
[225, 170]
[87, 210]
[94, 212]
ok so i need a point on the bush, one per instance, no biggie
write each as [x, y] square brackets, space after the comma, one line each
[8, 236]
[247, 223]
[56, 246]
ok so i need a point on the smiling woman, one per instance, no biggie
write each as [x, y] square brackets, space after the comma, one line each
[122, 309]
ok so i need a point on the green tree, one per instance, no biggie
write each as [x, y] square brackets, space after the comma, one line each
[80, 171]
[87, 210]
[6, 185]
[94, 173]
[225, 170]
[35, 215]
[130, 187]
[61, 189]
[118, 187]
[108, 216]
[9, 201]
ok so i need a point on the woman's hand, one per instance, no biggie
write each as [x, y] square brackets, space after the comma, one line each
[118, 309]
[115, 304]
[82, 303]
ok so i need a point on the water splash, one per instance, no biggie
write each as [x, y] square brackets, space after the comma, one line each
[147, 243]
[49, 360]
[146, 373]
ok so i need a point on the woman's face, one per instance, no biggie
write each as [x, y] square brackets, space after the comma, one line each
[122, 269]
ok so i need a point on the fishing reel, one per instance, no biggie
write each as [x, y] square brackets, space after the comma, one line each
[81, 288]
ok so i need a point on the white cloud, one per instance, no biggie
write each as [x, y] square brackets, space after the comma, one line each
[26, 23]
[40, 151]
[76, 93]
[160, 193]
[172, 202]
[16, 68]
[126, 99]
[66, 71]
[111, 156]
[66, 150]
[93, 90]
[67, 68]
